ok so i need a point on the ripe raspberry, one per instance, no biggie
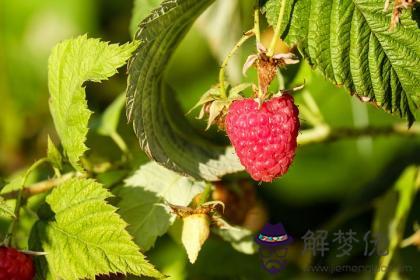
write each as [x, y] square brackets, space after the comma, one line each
[15, 265]
[264, 138]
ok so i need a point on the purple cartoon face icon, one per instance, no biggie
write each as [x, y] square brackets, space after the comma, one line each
[273, 241]
[273, 259]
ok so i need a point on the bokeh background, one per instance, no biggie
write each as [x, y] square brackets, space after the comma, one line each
[331, 185]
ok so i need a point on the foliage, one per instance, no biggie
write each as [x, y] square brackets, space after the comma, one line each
[84, 222]
[169, 141]
[144, 201]
[90, 211]
[351, 44]
[71, 63]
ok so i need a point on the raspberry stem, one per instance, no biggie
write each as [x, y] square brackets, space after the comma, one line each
[241, 41]
[40, 187]
[257, 25]
[204, 197]
[13, 226]
[276, 35]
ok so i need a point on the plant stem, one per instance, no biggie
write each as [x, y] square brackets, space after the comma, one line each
[243, 39]
[40, 187]
[324, 133]
[276, 35]
[13, 226]
[204, 197]
[257, 24]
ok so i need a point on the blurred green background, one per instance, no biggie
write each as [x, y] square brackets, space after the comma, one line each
[326, 181]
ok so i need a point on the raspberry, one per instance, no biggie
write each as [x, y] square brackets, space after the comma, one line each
[15, 265]
[264, 138]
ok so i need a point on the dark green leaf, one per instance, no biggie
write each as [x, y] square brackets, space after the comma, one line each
[158, 122]
[349, 41]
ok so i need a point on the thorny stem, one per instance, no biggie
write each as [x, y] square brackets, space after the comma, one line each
[13, 226]
[243, 39]
[276, 35]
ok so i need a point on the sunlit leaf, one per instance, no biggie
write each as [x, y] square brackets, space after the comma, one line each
[5, 209]
[72, 63]
[142, 201]
[86, 236]
[53, 154]
[110, 118]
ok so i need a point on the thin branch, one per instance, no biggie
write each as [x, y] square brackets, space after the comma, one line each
[257, 24]
[243, 39]
[318, 134]
[39, 187]
[276, 35]
[324, 133]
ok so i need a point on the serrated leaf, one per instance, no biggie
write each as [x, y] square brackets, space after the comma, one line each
[72, 63]
[163, 132]
[5, 209]
[110, 118]
[87, 237]
[141, 9]
[272, 10]
[349, 41]
[148, 217]
[53, 155]
[172, 187]
[143, 198]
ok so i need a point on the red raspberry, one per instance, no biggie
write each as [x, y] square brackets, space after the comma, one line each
[15, 265]
[264, 138]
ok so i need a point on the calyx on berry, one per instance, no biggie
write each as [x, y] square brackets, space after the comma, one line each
[215, 106]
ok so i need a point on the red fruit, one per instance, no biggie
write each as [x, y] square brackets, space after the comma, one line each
[264, 138]
[15, 265]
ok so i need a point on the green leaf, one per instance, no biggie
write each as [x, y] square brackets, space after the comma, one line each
[272, 10]
[350, 43]
[72, 63]
[5, 209]
[221, 26]
[170, 186]
[148, 217]
[240, 238]
[110, 118]
[87, 237]
[158, 122]
[141, 10]
[54, 155]
[392, 212]
[142, 201]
